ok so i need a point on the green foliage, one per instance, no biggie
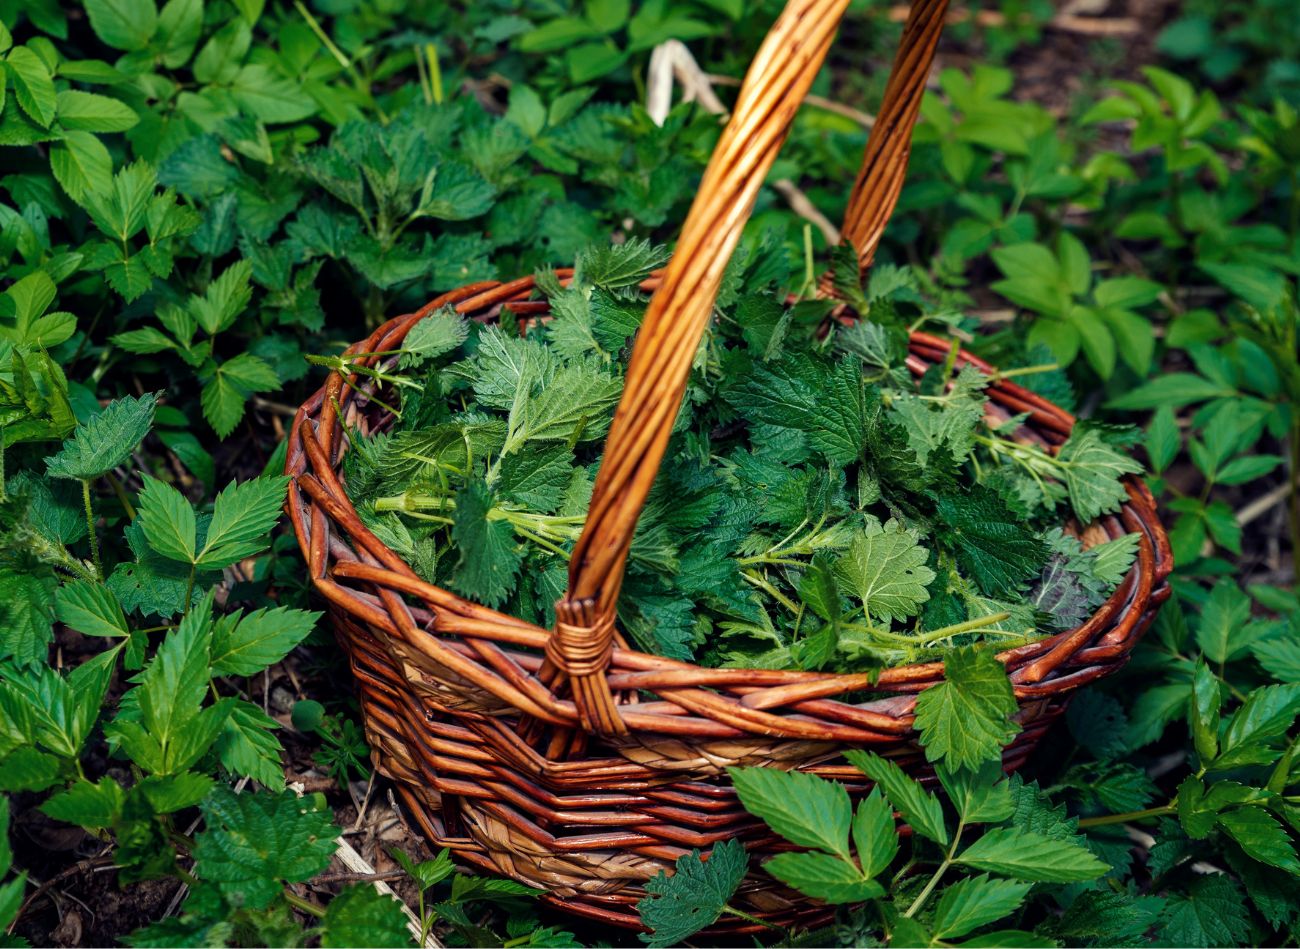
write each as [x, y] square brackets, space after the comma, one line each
[868, 512]
[694, 896]
[197, 194]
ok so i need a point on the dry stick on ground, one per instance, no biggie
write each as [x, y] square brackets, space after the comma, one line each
[350, 858]
[1264, 503]
[670, 61]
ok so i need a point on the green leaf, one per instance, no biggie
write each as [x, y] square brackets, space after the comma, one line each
[489, 558]
[180, 24]
[127, 25]
[1262, 720]
[88, 805]
[694, 896]
[1163, 439]
[994, 546]
[174, 792]
[1203, 711]
[1261, 837]
[245, 646]
[90, 112]
[253, 841]
[1261, 287]
[1174, 389]
[823, 877]
[33, 85]
[438, 333]
[1212, 912]
[981, 796]
[975, 902]
[1092, 471]
[269, 96]
[227, 392]
[1225, 612]
[91, 609]
[243, 517]
[874, 835]
[27, 769]
[1025, 855]
[428, 872]
[803, 808]
[964, 720]
[106, 440]
[25, 615]
[884, 567]
[247, 745]
[362, 916]
[168, 521]
[81, 165]
[224, 299]
[920, 808]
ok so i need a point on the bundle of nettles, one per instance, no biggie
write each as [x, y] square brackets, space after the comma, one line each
[819, 508]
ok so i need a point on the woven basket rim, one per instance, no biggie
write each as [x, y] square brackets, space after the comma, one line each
[1029, 665]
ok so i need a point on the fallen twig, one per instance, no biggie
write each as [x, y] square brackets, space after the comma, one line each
[672, 62]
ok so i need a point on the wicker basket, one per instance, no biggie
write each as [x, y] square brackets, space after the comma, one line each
[563, 758]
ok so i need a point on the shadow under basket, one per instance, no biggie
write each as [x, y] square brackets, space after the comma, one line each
[495, 765]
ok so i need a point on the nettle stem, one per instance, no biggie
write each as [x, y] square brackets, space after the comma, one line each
[90, 528]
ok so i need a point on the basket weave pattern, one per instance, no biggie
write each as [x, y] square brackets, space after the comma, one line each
[565, 759]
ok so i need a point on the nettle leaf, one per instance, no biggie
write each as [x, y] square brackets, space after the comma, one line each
[620, 265]
[885, 568]
[253, 843]
[1092, 470]
[1026, 855]
[964, 720]
[489, 557]
[694, 896]
[363, 916]
[803, 808]
[919, 807]
[438, 333]
[1212, 912]
[106, 440]
[993, 545]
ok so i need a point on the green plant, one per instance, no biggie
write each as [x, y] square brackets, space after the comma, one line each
[196, 193]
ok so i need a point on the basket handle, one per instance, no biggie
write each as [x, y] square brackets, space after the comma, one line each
[884, 166]
[581, 645]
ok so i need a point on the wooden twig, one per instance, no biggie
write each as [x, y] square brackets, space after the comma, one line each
[671, 62]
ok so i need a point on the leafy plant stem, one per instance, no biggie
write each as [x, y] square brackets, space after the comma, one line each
[938, 873]
[120, 491]
[728, 908]
[90, 527]
[1124, 818]
[293, 899]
